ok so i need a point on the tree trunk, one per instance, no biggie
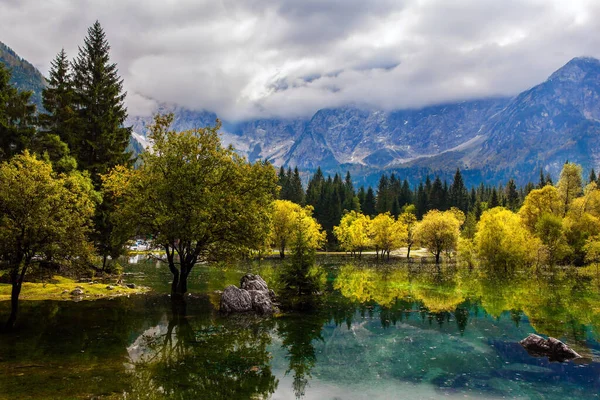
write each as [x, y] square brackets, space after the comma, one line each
[281, 253]
[17, 282]
[179, 285]
[437, 258]
[408, 252]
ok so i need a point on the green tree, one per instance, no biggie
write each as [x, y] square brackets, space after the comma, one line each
[197, 199]
[58, 121]
[17, 118]
[100, 139]
[45, 219]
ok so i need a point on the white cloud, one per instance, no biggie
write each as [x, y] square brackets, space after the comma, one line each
[261, 58]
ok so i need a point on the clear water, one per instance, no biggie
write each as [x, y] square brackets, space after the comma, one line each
[377, 332]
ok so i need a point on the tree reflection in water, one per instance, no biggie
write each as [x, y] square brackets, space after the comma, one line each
[190, 358]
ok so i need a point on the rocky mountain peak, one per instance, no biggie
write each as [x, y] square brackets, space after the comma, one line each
[577, 70]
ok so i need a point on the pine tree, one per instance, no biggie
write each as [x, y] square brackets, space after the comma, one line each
[370, 203]
[296, 189]
[593, 177]
[58, 122]
[542, 181]
[512, 196]
[459, 196]
[494, 200]
[17, 118]
[100, 140]
[384, 201]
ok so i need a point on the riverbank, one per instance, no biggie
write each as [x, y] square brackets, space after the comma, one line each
[61, 288]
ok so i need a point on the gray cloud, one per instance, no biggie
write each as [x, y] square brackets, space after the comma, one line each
[264, 58]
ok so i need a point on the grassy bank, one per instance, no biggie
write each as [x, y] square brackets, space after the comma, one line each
[60, 288]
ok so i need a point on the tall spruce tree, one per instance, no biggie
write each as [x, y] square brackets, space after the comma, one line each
[296, 189]
[99, 139]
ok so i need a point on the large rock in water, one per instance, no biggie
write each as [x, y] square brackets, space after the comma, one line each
[254, 295]
[552, 348]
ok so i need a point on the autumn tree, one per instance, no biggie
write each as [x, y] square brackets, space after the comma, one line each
[439, 232]
[288, 218]
[409, 219]
[569, 185]
[197, 199]
[353, 232]
[539, 202]
[45, 219]
[387, 234]
[502, 240]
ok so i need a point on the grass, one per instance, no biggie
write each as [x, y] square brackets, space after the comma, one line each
[60, 288]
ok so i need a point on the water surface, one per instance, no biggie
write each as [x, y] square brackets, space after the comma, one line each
[377, 332]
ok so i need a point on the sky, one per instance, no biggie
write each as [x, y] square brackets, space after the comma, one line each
[289, 58]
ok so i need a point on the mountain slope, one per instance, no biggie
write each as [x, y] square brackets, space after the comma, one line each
[23, 75]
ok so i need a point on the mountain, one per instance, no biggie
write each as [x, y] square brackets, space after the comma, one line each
[23, 75]
[491, 140]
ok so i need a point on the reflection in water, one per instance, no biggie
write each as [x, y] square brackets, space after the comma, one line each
[187, 358]
[377, 331]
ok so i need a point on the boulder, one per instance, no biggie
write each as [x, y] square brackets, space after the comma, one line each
[552, 348]
[234, 299]
[109, 287]
[254, 282]
[77, 291]
[253, 295]
[131, 285]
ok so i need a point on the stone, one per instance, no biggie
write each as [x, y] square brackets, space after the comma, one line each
[131, 285]
[77, 291]
[235, 299]
[253, 282]
[109, 287]
[552, 348]
[253, 295]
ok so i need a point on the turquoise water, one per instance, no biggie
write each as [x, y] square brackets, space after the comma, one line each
[376, 332]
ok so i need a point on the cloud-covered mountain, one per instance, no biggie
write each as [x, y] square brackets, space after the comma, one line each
[491, 139]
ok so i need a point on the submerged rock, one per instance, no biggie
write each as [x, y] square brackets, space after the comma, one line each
[77, 292]
[235, 299]
[253, 295]
[552, 348]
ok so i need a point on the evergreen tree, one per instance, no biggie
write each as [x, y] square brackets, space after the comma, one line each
[436, 196]
[384, 201]
[296, 189]
[406, 196]
[512, 196]
[57, 124]
[593, 177]
[17, 118]
[542, 181]
[549, 180]
[459, 196]
[422, 200]
[368, 207]
[494, 200]
[99, 140]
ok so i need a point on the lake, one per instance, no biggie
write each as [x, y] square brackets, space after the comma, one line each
[378, 331]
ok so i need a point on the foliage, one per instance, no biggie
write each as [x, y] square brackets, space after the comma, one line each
[197, 199]
[17, 118]
[387, 234]
[569, 185]
[409, 219]
[439, 231]
[353, 232]
[288, 218]
[45, 219]
[502, 241]
[539, 202]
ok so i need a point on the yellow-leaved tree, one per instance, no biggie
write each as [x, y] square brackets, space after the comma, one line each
[353, 233]
[387, 234]
[503, 242]
[539, 202]
[288, 218]
[438, 231]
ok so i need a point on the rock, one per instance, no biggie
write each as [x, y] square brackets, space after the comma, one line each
[77, 291]
[253, 282]
[131, 285]
[234, 299]
[253, 295]
[109, 287]
[552, 348]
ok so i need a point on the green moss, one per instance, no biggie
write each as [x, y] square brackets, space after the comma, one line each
[60, 288]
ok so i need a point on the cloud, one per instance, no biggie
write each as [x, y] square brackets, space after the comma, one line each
[288, 58]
